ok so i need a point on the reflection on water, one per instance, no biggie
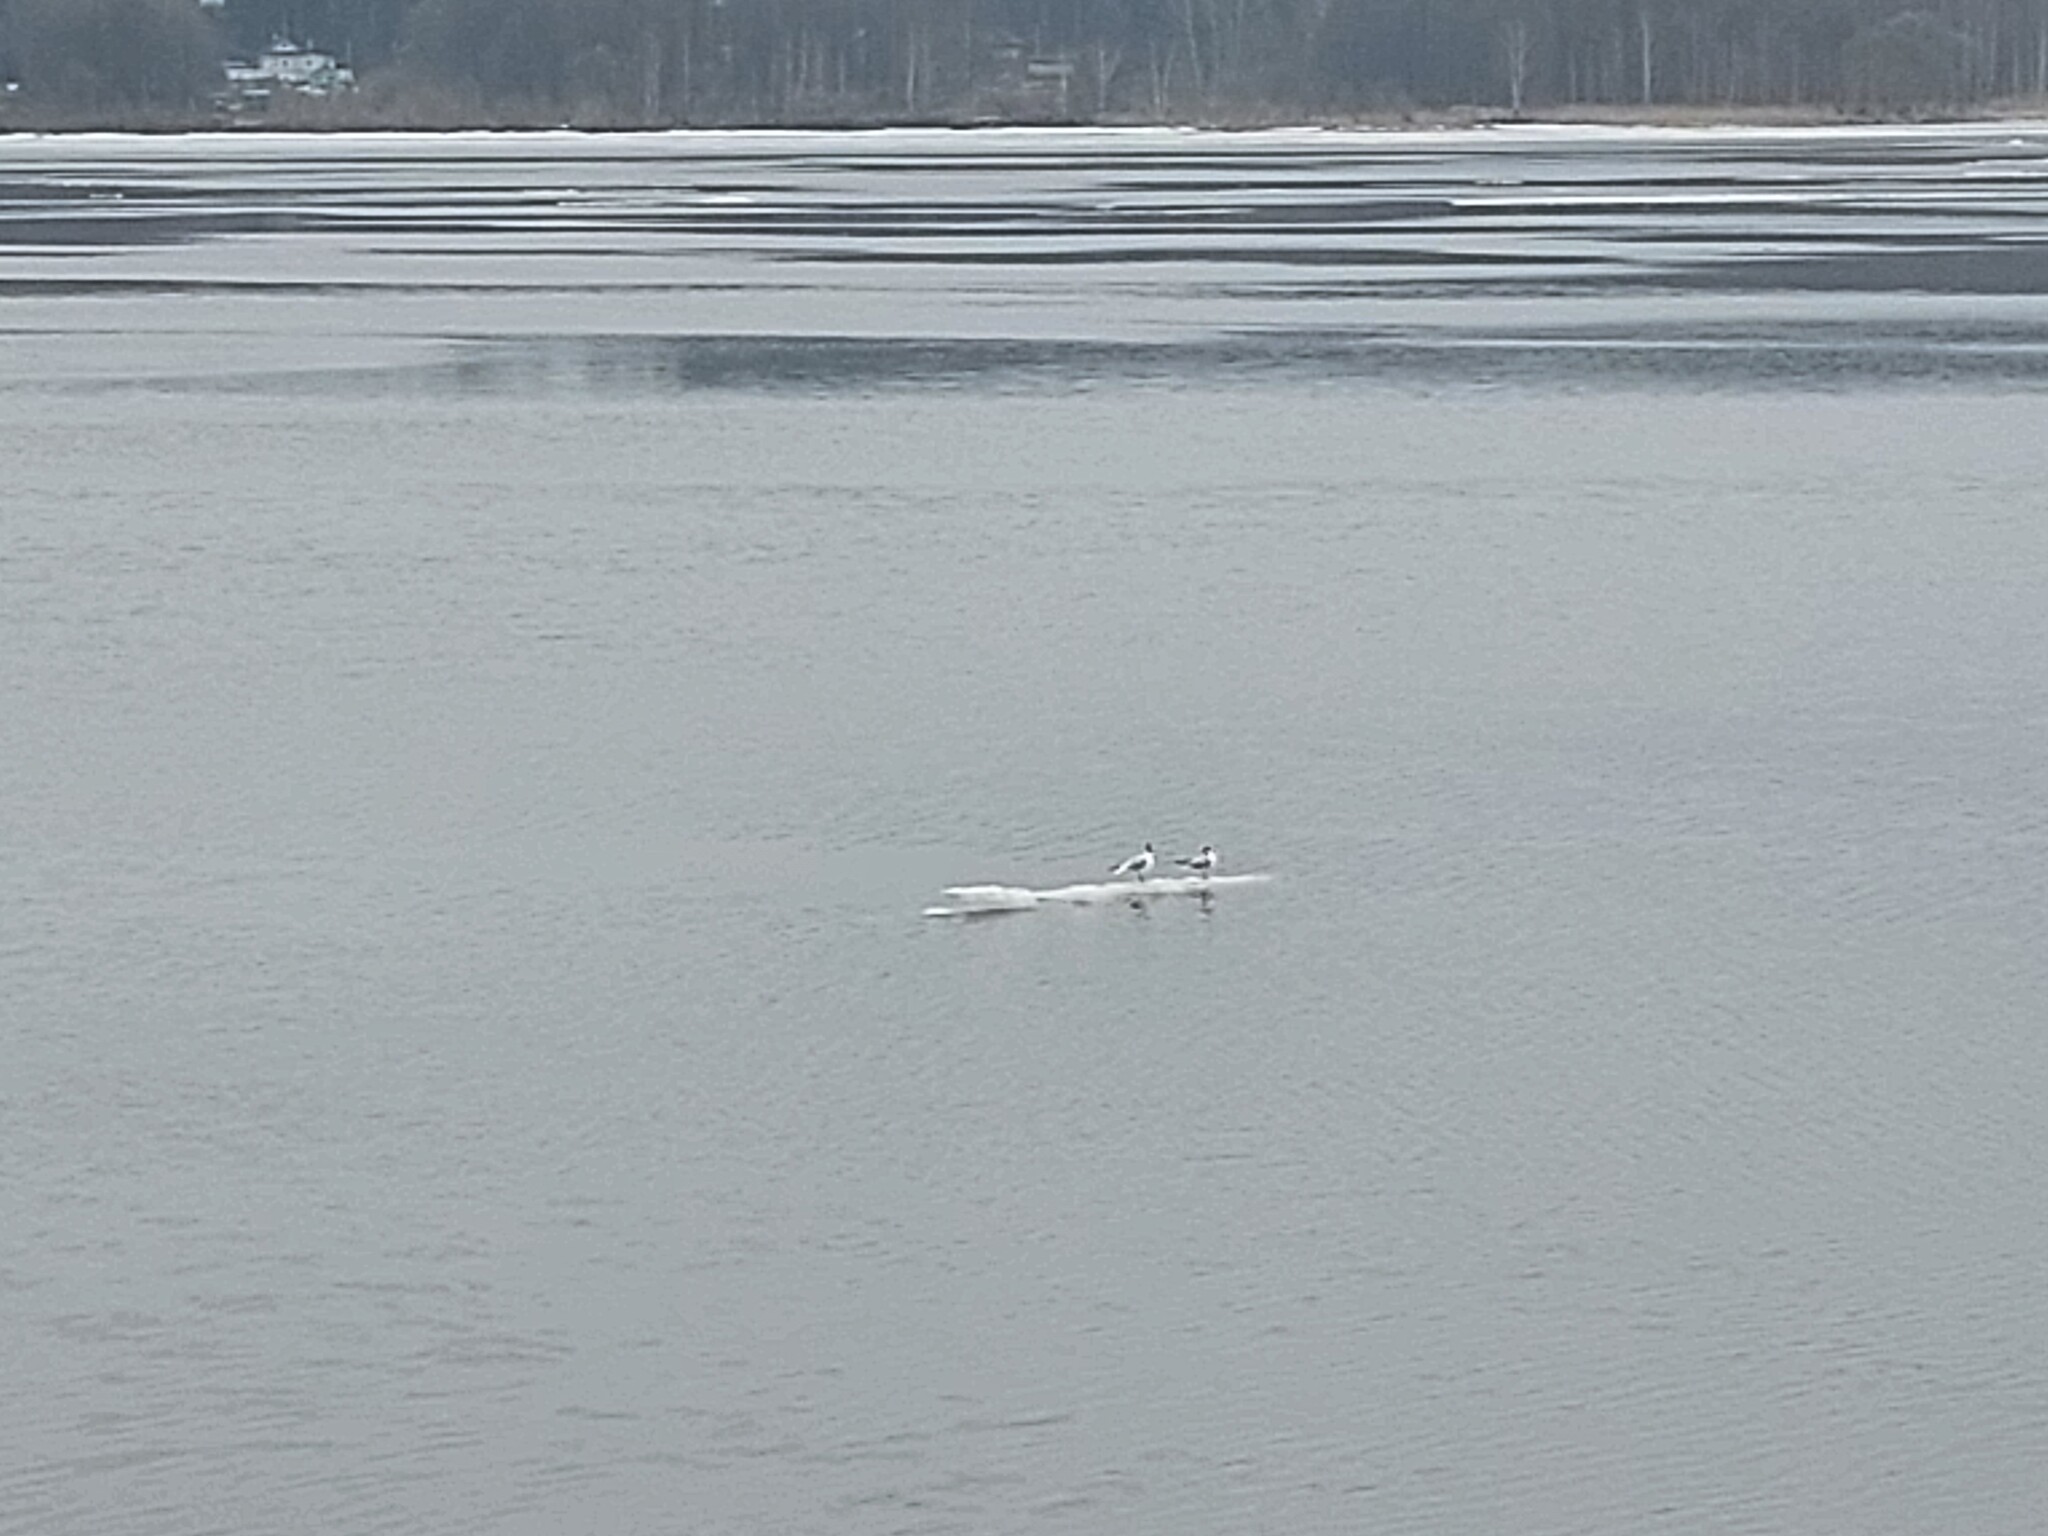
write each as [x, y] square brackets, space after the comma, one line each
[1787, 357]
[505, 635]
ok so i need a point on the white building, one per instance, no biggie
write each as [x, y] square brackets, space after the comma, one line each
[285, 66]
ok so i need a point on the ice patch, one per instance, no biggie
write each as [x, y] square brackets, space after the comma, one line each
[980, 900]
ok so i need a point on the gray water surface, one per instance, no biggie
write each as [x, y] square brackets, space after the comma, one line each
[500, 638]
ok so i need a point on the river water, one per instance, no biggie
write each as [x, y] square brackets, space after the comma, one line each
[502, 637]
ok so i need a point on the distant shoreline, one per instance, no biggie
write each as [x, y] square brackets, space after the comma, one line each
[340, 120]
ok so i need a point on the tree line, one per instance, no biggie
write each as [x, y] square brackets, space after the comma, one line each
[676, 62]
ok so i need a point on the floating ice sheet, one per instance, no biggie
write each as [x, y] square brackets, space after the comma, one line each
[979, 900]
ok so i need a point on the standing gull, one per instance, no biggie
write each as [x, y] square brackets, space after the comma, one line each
[1139, 864]
[1203, 863]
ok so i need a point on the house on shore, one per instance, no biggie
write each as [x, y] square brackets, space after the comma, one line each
[284, 68]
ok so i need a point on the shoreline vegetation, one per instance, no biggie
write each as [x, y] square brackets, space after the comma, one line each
[621, 65]
[314, 123]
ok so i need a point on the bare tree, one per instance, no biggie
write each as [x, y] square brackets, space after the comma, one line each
[1516, 41]
[1646, 54]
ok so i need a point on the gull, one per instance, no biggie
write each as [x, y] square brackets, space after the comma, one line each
[1203, 863]
[1139, 864]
